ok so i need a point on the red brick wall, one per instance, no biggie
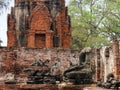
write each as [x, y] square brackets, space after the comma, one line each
[42, 19]
[109, 60]
[25, 57]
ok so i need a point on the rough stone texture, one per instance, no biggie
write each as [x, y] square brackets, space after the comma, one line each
[116, 58]
[16, 61]
[62, 58]
[39, 24]
[36, 24]
[43, 87]
[107, 61]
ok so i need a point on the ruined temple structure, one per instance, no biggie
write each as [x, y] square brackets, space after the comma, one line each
[39, 24]
[107, 61]
[39, 31]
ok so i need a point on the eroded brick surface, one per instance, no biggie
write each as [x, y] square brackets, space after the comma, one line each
[108, 61]
[39, 24]
[104, 60]
[36, 24]
[16, 61]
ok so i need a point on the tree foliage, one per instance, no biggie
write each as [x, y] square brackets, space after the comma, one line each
[94, 22]
[4, 4]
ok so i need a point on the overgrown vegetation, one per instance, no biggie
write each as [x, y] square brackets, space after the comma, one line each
[94, 22]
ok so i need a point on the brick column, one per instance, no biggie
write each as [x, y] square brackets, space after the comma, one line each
[67, 40]
[116, 58]
[49, 39]
[31, 40]
[11, 38]
[98, 64]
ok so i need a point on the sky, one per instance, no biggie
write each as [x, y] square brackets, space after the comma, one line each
[3, 23]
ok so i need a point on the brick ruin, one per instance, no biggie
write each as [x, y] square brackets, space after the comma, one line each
[107, 61]
[15, 61]
[39, 24]
[40, 29]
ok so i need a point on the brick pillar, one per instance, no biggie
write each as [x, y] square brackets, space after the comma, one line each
[116, 58]
[31, 40]
[102, 71]
[11, 33]
[49, 40]
[66, 40]
[98, 64]
[11, 38]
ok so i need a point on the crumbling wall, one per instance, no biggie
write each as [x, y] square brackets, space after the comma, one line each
[16, 60]
[108, 61]
[60, 59]
[105, 59]
[7, 61]
[39, 24]
[2, 58]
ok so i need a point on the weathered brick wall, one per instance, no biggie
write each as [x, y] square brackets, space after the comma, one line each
[108, 61]
[2, 58]
[39, 24]
[61, 58]
[58, 58]
[5, 63]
